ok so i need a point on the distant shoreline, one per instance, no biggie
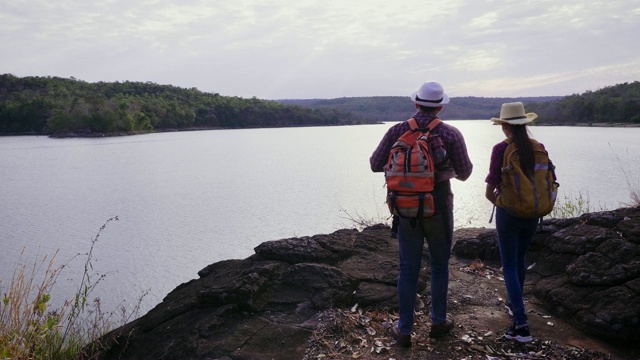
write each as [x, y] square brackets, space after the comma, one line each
[115, 134]
[620, 125]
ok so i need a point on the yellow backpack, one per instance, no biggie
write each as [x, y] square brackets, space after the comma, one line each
[526, 197]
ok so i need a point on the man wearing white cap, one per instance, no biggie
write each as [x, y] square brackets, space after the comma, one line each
[437, 230]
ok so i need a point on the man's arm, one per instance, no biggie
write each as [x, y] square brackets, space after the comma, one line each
[381, 154]
[458, 154]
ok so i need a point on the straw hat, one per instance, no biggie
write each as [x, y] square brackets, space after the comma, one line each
[430, 94]
[513, 113]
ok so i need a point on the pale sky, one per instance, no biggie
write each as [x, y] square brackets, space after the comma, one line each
[328, 48]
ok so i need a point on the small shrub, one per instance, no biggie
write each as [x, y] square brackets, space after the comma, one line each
[361, 222]
[573, 205]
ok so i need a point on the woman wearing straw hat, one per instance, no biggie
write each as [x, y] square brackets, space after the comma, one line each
[514, 234]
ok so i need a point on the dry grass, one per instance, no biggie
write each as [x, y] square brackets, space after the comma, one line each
[360, 221]
[633, 181]
[574, 205]
[29, 329]
[24, 319]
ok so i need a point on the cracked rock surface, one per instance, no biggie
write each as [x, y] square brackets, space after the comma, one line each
[333, 296]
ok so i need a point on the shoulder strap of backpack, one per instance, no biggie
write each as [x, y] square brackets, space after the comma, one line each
[413, 124]
[410, 136]
[508, 152]
[435, 122]
[537, 146]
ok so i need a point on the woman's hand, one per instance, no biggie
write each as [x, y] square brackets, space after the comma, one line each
[490, 193]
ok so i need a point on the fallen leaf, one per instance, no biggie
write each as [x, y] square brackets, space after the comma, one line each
[476, 264]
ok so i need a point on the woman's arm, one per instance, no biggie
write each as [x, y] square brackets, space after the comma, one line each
[490, 193]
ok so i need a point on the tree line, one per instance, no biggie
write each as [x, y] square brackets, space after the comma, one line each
[617, 104]
[396, 108]
[54, 106]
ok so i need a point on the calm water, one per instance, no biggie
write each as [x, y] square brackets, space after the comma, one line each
[189, 199]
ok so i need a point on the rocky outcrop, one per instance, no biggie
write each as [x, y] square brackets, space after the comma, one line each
[268, 305]
[265, 306]
[585, 270]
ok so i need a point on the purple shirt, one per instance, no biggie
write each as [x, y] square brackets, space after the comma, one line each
[451, 137]
[495, 166]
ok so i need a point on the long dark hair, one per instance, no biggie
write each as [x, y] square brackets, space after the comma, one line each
[521, 138]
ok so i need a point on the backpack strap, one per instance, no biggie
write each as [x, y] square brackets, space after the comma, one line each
[511, 148]
[508, 151]
[413, 124]
[434, 123]
[392, 200]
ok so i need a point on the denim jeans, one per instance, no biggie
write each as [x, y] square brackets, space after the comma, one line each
[438, 232]
[514, 237]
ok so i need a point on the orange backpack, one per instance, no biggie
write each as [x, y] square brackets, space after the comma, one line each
[526, 197]
[410, 172]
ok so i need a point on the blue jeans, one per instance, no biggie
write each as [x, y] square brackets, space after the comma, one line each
[514, 237]
[438, 231]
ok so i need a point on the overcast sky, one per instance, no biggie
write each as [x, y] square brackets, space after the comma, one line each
[328, 48]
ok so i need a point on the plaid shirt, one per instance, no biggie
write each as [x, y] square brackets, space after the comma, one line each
[451, 137]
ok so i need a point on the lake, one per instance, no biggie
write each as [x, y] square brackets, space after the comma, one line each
[185, 200]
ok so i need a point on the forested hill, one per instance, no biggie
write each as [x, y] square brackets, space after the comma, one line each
[53, 105]
[615, 104]
[395, 108]
[618, 104]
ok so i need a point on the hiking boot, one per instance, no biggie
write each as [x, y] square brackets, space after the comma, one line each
[521, 335]
[438, 330]
[403, 340]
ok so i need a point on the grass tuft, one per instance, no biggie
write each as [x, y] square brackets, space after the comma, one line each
[31, 329]
[632, 186]
[574, 205]
[360, 221]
